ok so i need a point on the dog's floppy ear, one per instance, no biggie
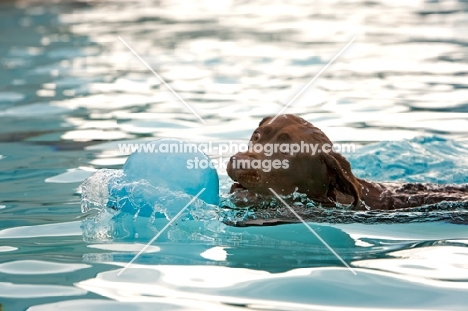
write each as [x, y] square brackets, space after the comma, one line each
[341, 177]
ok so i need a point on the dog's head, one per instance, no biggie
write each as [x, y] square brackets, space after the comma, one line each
[291, 154]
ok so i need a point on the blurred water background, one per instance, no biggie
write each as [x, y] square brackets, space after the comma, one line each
[70, 91]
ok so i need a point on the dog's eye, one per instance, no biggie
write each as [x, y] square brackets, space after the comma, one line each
[255, 136]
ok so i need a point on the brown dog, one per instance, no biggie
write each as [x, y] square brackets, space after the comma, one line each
[274, 161]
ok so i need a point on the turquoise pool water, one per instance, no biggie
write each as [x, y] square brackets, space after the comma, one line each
[71, 91]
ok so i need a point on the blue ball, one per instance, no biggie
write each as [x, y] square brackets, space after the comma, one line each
[176, 165]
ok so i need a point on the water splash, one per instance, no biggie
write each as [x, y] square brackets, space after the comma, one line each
[421, 159]
[119, 208]
[273, 212]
